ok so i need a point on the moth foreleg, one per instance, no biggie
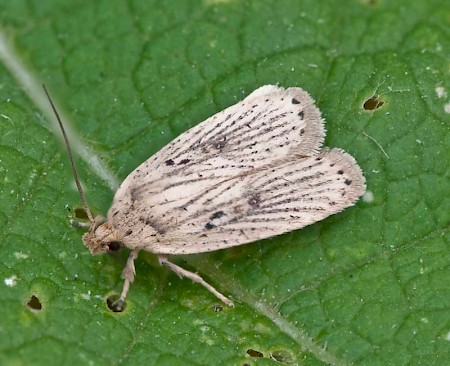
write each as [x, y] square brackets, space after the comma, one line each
[194, 277]
[128, 274]
[78, 224]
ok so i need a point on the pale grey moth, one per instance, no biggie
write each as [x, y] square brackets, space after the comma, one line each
[252, 171]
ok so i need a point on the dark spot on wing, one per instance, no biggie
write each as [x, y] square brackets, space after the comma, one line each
[348, 182]
[340, 171]
[295, 101]
[238, 209]
[254, 200]
[184, 161]
[134, 195]
[154, 224]
[129, 232]
[209, 226]
[301, 115]
[169, 162]
[217, 215]
[219, 143]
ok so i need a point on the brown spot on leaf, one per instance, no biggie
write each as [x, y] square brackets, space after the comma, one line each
[80, 213]
[34, 303]
[282, 357]
[254, 353]
[372, 103]
[217, 308]
[114, 304]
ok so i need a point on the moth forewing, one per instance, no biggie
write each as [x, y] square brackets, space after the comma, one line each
[266, 126]
[265, 202]
[251, 171]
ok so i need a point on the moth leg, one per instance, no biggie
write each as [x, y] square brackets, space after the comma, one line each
[181, 272]
[96, 223]
[128, 274]
[77, 224]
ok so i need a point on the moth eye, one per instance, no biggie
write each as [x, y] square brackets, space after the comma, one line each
[114, 246]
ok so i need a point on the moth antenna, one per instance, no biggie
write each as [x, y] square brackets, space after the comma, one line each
[69, 151]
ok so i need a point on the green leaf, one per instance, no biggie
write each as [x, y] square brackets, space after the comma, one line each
[368, 286]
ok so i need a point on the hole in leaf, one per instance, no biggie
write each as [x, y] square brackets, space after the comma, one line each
[255, 354]
[80, 213]
[114, 305]
[374, 102]
[281, 356]
[217, 308]
[34, 303]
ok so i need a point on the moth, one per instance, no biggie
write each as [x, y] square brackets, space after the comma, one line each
[252, 171]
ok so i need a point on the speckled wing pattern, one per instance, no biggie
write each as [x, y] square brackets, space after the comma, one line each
[252, 171]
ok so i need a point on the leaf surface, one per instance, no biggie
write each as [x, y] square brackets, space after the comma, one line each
[368, 286]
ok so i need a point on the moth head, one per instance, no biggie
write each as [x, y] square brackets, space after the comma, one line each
[101, 238]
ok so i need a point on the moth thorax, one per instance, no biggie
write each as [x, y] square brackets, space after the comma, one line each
[100, 238]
